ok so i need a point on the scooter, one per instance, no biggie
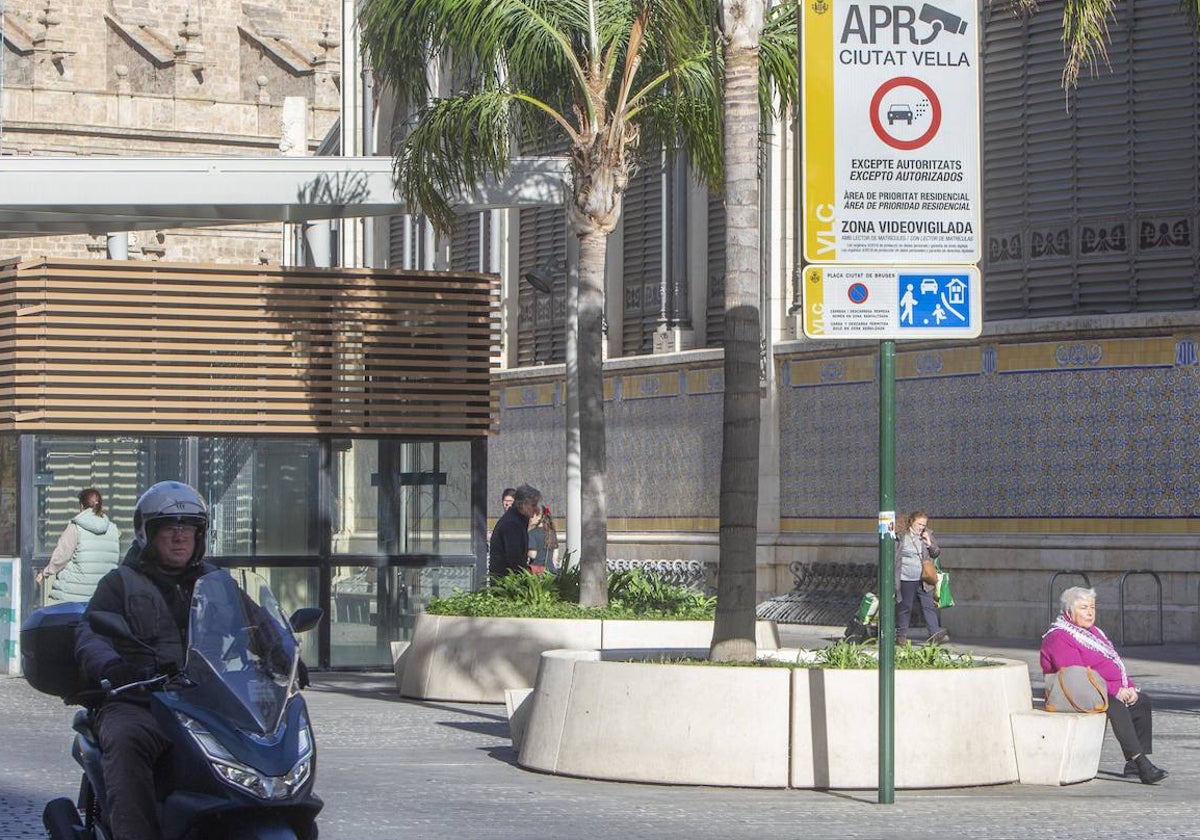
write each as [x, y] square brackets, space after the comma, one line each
[242, 761]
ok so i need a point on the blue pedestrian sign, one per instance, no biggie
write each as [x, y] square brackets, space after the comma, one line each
[865, 301]
[934, 300]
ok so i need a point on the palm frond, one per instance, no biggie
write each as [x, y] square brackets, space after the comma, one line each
[1023, 8]
[405, 37]
[687, 126]
[779, 71]
[1085, 36]
[455, 142]
[1191, 8]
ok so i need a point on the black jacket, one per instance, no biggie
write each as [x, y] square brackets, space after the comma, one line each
[509, 549]
[151, 619]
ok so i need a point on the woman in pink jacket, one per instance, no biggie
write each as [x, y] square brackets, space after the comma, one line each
[1074, 639]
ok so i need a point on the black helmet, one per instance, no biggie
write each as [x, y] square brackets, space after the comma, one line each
[170, 503]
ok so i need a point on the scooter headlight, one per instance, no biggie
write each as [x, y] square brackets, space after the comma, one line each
[246, 778]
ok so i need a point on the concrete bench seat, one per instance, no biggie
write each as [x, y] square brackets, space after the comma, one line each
[1055, 748]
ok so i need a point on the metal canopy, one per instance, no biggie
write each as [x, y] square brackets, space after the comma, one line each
[40, 196]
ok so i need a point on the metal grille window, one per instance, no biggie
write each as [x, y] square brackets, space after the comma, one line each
[542, 315]
[714, 332]
[406, 236]
[642, 263]
[1090, 202]
[470, 244]
[407, 233]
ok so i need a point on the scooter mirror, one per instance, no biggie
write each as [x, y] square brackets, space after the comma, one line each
[305, 618]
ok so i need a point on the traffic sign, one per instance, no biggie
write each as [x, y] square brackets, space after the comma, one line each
[890, 97]
[864, 301]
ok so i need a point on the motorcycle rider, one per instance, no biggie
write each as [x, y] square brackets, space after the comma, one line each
[152, 591]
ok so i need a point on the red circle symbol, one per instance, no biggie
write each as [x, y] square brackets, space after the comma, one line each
[935, 117]
[858, 293]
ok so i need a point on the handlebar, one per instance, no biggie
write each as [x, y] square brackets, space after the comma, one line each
[169, 674]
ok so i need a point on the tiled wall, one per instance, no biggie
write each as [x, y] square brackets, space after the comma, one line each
[1042, 430]
[1031, 454]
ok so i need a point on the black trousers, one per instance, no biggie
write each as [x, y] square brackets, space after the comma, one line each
[132, 744]
[1132, 725]
[910, 591]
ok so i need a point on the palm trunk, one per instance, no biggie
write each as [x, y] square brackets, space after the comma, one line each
[593, 585]
[733, 633]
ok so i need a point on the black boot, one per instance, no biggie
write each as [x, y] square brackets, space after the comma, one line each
[1130, 768]
[1147, 772]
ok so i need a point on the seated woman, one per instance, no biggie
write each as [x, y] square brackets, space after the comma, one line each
[1074, 639]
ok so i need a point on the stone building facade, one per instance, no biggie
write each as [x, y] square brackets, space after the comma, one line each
[166, 78]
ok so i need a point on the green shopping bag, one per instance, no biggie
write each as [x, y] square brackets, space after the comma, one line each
[941, 593]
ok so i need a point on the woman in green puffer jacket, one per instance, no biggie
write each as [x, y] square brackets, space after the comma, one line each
[89, 547]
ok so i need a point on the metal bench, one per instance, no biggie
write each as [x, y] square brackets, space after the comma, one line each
[824, 593]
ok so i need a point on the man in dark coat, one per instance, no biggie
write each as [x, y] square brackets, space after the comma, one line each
[509, 548]
[152, 591]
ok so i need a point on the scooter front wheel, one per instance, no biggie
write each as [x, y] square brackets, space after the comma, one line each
[62, 820]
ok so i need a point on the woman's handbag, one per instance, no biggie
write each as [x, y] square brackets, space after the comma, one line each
[928, 572]
[1077, 689]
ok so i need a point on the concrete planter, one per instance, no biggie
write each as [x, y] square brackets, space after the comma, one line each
[473, 660]
[642, 722]
[952, 727]
[593, 716]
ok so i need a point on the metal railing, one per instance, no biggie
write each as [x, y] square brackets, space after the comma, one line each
[1121, 601]
[688, 573]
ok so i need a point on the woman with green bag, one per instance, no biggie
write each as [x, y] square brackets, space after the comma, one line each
[916, 577]
[941, 590]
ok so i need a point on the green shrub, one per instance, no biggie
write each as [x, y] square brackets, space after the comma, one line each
[858, 656]
[846, 655]
[643, 592]
[635, 594]
[864, 656]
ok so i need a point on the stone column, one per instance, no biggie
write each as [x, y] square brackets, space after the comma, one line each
[117, 245]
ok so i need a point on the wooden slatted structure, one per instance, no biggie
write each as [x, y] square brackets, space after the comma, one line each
[134, 347]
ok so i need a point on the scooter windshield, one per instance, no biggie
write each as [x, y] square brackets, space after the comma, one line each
[242, 653]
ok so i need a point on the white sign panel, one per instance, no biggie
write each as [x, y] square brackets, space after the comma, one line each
[890, 98]
[892, 303]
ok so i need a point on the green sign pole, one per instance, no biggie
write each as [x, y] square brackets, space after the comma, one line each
[887, 584]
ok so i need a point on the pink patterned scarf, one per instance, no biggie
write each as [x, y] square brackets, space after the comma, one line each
[1093, 639]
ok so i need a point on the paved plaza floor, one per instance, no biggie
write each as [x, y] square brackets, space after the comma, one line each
[393, 769]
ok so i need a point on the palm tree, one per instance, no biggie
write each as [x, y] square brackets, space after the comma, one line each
[602, 77]
[751, 36]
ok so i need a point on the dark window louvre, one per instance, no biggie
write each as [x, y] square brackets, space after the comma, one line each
[642, 263]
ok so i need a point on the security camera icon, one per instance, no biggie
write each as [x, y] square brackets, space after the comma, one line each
[940, 20]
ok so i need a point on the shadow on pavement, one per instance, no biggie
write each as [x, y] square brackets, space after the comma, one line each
[492, 728]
